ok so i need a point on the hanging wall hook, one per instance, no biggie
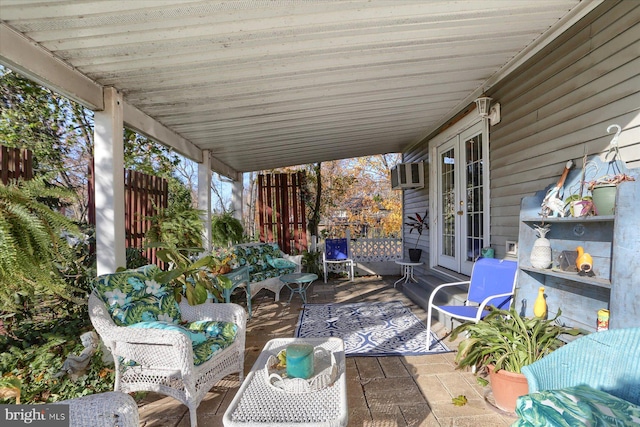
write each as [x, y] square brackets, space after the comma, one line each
[613, 145]
[614, 141]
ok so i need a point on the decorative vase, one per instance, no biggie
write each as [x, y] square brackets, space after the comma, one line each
[540, 306]
[604, 199]
[507, 387]
[541, 251]
[415, 254]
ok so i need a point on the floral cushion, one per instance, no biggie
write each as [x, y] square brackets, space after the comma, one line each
[207, 337]
[133, 296]
[220, 335]
[259, 258]
[575, 406]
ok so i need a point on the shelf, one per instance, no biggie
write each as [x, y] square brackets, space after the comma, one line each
[574, 277]
[571, 219]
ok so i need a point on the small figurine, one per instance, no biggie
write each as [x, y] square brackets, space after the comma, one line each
[552, 205]
[584, 263]
[76, 366]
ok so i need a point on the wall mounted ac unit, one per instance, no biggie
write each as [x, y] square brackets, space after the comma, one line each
[407, 175]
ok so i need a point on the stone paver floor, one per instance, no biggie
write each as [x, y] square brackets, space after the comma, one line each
[381, 391]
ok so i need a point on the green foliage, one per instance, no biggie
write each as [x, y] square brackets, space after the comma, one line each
[135, 258]
[507, 340]
[31, 362]
[180, 224]
[194, 278]
[226, 230]
[418, 224]
[311, 261]
[32, 242]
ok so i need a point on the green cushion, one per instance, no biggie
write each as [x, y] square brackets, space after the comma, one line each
[575, 406]
[132, 296]
[281, 263]
[259, 258]
[220, 335]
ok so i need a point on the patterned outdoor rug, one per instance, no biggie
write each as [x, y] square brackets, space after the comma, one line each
[369, 328]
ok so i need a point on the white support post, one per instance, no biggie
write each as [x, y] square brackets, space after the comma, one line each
[204, 198]
[236, 196]
[109, 184]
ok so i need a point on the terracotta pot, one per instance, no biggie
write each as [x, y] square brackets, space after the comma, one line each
[507, 387]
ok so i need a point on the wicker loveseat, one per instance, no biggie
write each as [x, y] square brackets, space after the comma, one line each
[162, 346]
[266, 263]
[594, 380]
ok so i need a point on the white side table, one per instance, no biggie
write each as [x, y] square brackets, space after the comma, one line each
[259, 404]
[407, 271]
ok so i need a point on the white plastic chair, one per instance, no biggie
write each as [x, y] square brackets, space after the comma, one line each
[336, 251]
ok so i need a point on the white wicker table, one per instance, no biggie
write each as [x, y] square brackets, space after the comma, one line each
[259, 404]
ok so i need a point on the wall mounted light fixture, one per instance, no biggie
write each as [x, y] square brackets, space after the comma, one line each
[487, 111]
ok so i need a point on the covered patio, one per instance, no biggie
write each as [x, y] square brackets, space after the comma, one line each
[247, 86]
[392, 391]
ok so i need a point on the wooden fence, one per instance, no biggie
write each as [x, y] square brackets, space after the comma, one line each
[15, 163]
[281, 211]
[145, 195]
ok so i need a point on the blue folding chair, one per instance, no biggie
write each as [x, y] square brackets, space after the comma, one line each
[492, 283]
[336, 251]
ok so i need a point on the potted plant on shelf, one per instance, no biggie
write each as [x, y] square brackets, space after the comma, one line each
[503, 342]
[418, 224]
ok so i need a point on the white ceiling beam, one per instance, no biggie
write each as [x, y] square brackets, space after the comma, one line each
[26, 57]
[151, 128]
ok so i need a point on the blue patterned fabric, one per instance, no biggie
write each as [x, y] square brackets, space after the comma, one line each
[134, 299]
[575, 407]
[281, 263]
[369, 328]
[132, 296]
[259, 257]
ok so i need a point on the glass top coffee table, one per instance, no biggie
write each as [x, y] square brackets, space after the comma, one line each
[258, 403]
[299, 283]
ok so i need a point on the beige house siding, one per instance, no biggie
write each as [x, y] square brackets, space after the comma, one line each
[557, 107]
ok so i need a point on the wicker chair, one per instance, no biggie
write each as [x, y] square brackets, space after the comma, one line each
[111, 409]
[162, 360]
[607, 361]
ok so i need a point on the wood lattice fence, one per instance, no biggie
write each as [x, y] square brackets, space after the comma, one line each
[281, 211]
[15, 163]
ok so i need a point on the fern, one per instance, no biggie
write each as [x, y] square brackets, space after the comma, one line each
[31, 242]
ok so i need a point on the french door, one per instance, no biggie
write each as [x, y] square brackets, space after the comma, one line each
[460, 193]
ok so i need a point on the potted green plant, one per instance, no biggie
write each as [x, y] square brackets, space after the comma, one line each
[503, 342]
[418, 224]
[226, 230]
[604, 192]
[195, 278]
